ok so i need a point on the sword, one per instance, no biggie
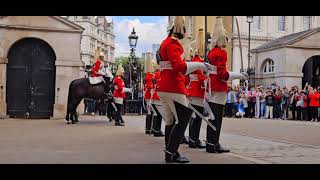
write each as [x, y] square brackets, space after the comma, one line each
[202, 117]
[240, 46]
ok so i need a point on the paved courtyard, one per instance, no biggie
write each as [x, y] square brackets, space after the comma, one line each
[95, 140]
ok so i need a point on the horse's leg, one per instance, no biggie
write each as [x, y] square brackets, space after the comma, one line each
[74, 111]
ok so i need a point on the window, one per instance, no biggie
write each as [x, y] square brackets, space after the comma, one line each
[268, 66]
[307, 22]
[257, 22]
[76, 17]
[281, 23]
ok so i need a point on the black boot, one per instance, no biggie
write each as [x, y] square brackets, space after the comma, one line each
[213, 145]
[118, 115]
[184, 140]
[157, 121]
[148, 123]
[194, 130]
[176, 135]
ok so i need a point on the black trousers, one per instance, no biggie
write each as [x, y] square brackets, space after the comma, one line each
[299, 109]
[175, 132]
[118, 116]
[195, 124]
[228, 112]
[110, 110]
[293, 110]
[277, 111]
[214, 136]
[251, 109]
[157, 120]
[314, 113]
[305, 114]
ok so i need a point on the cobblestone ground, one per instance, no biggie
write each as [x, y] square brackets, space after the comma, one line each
[96, 140]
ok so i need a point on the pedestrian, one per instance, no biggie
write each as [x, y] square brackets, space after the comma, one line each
[262, 103]
[269, 104]
[285, 101]
[172, 90]
[119, 95]
[257, 108]
[156, 104]
[304, 98]
[277, 105]
[196, 90]
[147, 92]
[314, 97]
[217, 56]
[230, 102]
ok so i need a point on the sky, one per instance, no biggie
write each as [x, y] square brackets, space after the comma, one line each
[150, 30]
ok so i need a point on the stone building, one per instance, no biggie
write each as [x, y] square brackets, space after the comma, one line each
[98, 34]
[39, 57]
[291, 60]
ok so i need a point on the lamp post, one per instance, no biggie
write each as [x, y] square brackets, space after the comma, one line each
[249, 20]
[133, 39]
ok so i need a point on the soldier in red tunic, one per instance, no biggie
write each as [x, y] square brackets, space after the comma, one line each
[196, 92]
[147, 92]
[156, 104]
[172, 90]
[218, 87]
[119, 94]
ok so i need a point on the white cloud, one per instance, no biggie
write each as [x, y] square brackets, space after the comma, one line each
[149, 33]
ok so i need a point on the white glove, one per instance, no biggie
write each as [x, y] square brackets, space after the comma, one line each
[129, 90]
[109, 74]
[211, 67]
[193, 66]
[101, 72]
[236, 75]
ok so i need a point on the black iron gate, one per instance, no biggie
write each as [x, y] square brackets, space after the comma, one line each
[30, 79]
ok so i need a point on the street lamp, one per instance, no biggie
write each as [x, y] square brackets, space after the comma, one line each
[133, 39]
[249, 20]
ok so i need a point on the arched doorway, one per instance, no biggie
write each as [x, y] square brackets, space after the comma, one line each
[31, 79]
[311, 71]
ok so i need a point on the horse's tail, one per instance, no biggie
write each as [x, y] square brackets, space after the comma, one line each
[69, 101]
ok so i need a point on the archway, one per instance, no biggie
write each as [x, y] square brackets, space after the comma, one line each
[31, 79]
[311, 71]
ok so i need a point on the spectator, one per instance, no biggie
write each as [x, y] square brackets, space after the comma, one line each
[304, 99]
[314, 104]
[230, 102]
[277, 104]
[285, 101]
[269, 104]
[257, 108]
[262, 104]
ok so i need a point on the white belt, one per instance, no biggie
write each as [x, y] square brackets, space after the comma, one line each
[193, 77]
[165, 65]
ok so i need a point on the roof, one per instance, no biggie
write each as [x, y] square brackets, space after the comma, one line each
[286, 40]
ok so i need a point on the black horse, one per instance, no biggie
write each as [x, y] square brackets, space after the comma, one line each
[81, 88]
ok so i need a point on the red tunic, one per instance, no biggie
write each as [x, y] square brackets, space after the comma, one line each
[156, 79]
[218, 58]
[196, 87]
[172, 80]
[148, 86]
[119, 85]
[96, 68]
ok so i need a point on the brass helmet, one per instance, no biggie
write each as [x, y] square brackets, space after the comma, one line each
[148, 64]
[179, 27]
[199, 44]
[219, 34]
